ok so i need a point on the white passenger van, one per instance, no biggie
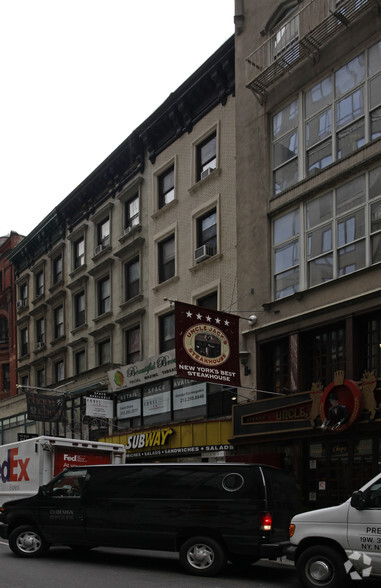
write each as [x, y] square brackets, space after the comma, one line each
[331, 546]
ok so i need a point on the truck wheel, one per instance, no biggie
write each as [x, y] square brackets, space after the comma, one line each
[322, 566]
[27, 541]
[202, 556]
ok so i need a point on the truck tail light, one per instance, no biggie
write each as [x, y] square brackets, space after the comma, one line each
[291, 529]
[266, 521]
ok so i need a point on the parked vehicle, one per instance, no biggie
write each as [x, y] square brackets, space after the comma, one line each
[209, 513]
[332, 545]
[26, 465]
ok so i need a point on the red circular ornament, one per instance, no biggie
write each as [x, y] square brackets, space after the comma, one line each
[349, 394]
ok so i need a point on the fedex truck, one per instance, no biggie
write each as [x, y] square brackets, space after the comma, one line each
[26, 465]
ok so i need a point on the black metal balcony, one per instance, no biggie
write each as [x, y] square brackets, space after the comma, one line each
[301, 38]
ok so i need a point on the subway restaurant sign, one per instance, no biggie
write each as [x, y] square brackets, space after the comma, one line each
[143, 372]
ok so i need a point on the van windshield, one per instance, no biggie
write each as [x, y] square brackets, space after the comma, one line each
[69, 484]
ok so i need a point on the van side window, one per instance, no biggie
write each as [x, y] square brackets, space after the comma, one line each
[69, 484]
[374, 496]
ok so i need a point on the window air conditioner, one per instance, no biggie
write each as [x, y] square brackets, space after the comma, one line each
[98, 249]
[39, 345]
[127, 230]
[202, 253]
[206, 172]
[19, 303]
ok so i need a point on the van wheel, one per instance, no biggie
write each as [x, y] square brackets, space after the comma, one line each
[27, 541]
[322, 566]
[202, 556]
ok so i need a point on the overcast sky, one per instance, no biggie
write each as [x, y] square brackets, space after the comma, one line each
[78, 76]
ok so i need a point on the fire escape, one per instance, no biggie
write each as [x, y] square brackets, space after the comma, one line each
[296, 40]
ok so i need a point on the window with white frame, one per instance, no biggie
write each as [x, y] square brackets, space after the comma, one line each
[336, 120]
[132, 278]
[103, 232]
[166, 187]
[79, 252]
[132, 212]
[166, 258]
[206, 156]
[334, 234]
[132, 345]
[104, 295]
[58, 322]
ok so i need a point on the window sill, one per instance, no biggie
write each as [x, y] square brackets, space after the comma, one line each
[201, 183]
[160, 211]
[172, 280]
[197, 266]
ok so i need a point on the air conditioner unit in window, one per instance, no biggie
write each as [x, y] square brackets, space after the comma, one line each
[39, 345]
[19, 303]
[206, 172]
[202, 253]
[127, 230]
[98, 249]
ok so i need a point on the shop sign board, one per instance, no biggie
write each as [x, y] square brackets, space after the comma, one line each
[207, 345]
[143, 372]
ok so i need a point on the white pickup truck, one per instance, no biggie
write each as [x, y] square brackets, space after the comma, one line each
[332, 546]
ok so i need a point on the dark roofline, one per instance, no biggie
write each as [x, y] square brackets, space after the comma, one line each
[208, 86]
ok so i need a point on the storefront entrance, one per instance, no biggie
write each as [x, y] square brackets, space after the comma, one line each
[338, 467]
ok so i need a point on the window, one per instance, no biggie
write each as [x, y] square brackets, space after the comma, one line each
[166, 187]
[340, 114]
[58, 322]
[207, 231]
[24, 341]
[275, 364]
[220, 400]
[40, 332]
[324, 354]
[286, 254]
[104, 295]
[79, 252]
[104, 352]
[59, 370]
[40, 378]
[103, 232]
[132, 278]
[4, 331]
[208, 301]
[23, 292]
[287, 35]
[206, 156]
[167, 332]
[132, 209]
[166, 258]
[80, 361]
[79, 309]
[39, 283]
[57, 269]
[132, 339]
[336, 240]
[6, 377]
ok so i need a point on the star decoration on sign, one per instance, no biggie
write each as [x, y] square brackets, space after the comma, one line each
[207, 318]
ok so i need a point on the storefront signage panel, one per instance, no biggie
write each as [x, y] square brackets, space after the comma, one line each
[99, 406]
[207, 345]
[189, 396]
[143, 372]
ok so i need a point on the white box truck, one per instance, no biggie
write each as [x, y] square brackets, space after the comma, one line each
[332, 546]
[26, 465]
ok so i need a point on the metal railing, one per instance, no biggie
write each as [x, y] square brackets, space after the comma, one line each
[302, 36]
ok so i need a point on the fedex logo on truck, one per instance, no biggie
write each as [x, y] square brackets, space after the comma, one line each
[13, 469]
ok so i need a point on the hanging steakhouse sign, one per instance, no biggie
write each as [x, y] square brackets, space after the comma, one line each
[206, 345]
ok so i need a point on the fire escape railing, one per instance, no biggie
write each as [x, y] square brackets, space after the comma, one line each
[296, 40]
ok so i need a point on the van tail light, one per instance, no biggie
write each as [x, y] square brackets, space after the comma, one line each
[292, 529]
[266, 521]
